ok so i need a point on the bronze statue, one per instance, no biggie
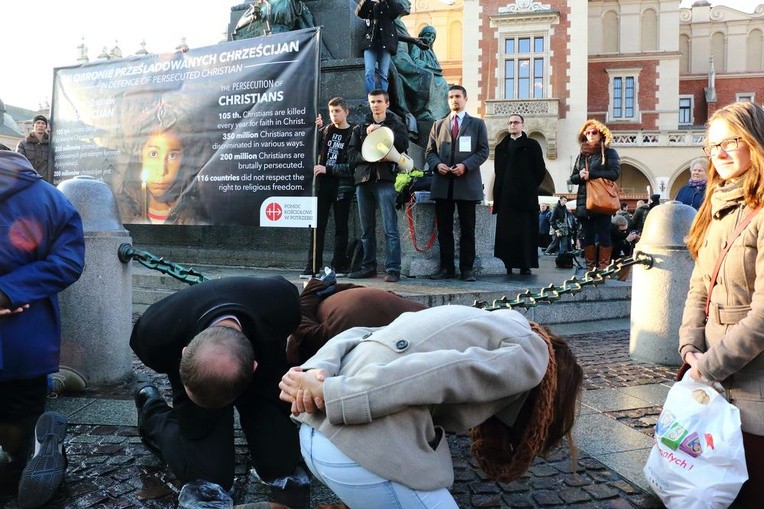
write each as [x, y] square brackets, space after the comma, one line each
[264, 17]
[418, 84]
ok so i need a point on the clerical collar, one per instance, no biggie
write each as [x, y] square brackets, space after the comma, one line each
[225, 317]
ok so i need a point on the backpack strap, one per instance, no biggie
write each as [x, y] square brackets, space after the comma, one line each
[727, 245]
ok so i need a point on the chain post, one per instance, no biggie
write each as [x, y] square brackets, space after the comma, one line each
[551, 294]
[126, 252]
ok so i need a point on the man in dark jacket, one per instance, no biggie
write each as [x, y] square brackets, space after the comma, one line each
[333, 183]
[222, 345]
[36, 147]
[457, 146]
[380, 39]
[42, 251]
[640, 215]
[375, 186]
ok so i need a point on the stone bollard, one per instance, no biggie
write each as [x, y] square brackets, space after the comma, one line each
[658, 293]
[96, 311]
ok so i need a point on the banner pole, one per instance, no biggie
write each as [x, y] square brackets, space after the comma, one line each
[317, 149]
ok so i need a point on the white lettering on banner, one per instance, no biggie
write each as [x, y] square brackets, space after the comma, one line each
[248, 106]
[261, 50]
[288, 211]
[228, 100]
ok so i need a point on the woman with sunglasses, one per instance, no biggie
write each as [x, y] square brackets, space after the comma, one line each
[596, 160]
[722, 339]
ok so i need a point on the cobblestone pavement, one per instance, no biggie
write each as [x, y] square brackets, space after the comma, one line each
[110, 468]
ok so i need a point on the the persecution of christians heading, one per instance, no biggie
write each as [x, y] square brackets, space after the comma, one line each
[218, 135]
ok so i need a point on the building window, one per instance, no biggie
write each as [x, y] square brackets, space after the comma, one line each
[525, 62]
[685, 110]
[624, 94]
[745, 97]
[623, 97]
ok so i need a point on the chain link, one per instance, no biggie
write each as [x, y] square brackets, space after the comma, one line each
[550, 294]
[126, 252]
[525, 299]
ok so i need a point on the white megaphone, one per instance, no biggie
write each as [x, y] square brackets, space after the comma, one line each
[379, 146]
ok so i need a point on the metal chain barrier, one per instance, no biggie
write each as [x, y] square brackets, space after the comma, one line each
[126, 252]
[552, 293]
[525, 299]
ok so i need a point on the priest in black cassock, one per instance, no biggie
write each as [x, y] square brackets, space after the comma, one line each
[519, 170]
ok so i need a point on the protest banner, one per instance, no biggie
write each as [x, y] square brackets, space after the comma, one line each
[212, 135]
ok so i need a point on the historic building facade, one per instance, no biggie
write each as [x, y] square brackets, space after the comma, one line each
[652, 71]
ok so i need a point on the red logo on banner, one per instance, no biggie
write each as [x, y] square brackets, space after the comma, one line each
[274, 211]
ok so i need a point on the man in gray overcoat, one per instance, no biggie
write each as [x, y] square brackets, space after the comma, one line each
[458, 145]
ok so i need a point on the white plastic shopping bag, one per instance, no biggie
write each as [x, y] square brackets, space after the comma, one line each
[697, 459]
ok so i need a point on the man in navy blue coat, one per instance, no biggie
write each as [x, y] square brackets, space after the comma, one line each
[42, 251]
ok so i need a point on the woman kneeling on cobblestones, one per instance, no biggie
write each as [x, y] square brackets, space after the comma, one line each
[376, 403]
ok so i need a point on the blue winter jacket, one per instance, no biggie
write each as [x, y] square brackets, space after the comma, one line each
[42, 251]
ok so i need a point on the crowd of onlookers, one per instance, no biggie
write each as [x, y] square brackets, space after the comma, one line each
[559, 230]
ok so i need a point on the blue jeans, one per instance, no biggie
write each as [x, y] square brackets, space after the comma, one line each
[371, 59]
[371, 195]
[356, 486]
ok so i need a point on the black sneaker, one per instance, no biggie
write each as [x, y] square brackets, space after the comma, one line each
[44, 472]
[392, 277]
[363, 274]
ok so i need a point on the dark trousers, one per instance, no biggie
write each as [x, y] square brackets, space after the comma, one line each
[329, 197]
[22, 402]
[752, 493]
[444, 214]
[596, 230]
[198, 443]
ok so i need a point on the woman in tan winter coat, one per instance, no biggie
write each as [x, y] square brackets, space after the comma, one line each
[376, 403]
[725, 342]
[596, 160]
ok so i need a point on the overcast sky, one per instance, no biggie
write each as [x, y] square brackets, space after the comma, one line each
[40, 35]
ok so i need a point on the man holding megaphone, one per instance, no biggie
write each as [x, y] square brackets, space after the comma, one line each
[375, 169]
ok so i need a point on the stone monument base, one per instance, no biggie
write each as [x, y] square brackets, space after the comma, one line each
[419, 243]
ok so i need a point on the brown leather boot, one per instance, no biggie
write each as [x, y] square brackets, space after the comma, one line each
[623, 274]
[590, 254]
[605, 253]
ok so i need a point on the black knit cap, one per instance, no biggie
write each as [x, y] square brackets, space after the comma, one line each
[40, 117]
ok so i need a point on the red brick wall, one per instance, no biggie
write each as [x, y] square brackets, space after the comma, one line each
[726, 90]
[699, 107]
[599, 91]
[488, 65]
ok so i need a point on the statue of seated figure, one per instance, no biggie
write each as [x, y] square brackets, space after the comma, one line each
[419, 86]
